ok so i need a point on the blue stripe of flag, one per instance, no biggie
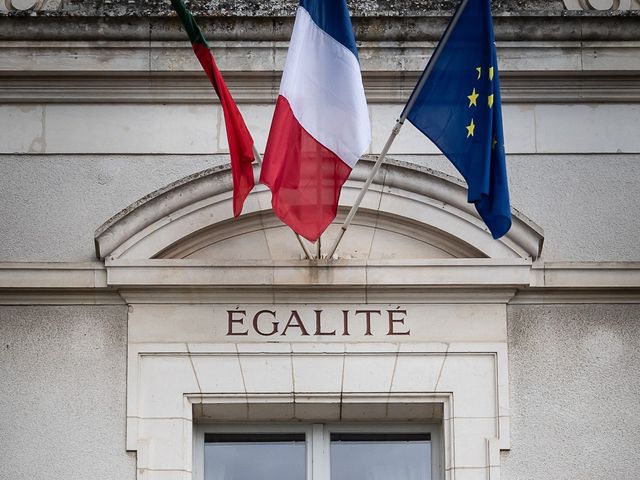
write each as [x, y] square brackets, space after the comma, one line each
[332, 16]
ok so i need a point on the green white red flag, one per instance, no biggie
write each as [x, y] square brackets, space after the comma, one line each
[239, 138]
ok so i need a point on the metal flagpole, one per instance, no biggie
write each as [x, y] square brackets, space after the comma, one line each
[306, 251]
[398, 126]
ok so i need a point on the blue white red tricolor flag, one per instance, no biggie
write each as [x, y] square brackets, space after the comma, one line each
[321, 123]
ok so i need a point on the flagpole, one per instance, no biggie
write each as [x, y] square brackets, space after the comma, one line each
[365, 188]
[306, 251]
[399, 122]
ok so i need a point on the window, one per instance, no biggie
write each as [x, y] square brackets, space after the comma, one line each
[267, 456]
[318, 452]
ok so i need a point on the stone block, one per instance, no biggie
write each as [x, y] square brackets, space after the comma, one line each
[368, 373]
[318, 373]
[592, 128]
[476, 372]
[218, 374]
[267, 373]
[22, 129]
[470, 441]
[110, 129]
[155, 400]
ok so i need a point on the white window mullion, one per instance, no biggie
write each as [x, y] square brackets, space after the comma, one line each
[320, 452]
[198, 453]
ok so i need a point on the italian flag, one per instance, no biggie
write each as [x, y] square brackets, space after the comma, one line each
[241, 148]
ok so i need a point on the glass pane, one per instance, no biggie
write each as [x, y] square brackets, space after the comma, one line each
[380, 456]
[254, 457]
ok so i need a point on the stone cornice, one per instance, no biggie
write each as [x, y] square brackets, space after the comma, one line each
[128, 8]
[586, 275]
[262, 87]
[430, 281]
[55, 284]
[52, 276]
[424, 27]
[326, 273]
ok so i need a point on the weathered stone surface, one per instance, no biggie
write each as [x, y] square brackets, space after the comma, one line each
[427, 27]
[37, 225]
[257, 8]
[575, 392]
[62, 401]
[225, 8]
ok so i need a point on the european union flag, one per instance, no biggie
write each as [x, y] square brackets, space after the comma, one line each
[457, 105]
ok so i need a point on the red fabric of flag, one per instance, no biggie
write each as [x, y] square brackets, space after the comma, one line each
[238, 136]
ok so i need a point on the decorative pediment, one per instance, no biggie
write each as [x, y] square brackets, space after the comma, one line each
[409, 213]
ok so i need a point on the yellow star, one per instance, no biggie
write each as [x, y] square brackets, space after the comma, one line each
[491, 73]
[470, 129]
[491, 100]
[479, 69]
[473, 98]
[493, 145]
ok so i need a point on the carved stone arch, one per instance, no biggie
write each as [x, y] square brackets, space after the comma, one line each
[410, 212]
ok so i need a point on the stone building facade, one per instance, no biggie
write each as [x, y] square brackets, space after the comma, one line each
[137, 316]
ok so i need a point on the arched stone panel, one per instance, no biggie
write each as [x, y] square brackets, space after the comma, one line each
[410, 212]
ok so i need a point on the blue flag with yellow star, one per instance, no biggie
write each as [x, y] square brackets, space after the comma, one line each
[459, 109]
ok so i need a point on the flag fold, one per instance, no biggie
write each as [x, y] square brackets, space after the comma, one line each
[460, 110]
[320, 126]
[238, 136]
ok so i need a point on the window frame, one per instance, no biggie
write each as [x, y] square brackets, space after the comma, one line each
[318, 441]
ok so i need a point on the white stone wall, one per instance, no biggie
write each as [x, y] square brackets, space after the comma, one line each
[574, 402]
[74, 151]
[586, 203]
[62, 400]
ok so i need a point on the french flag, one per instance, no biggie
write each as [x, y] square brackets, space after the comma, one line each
[321, 125]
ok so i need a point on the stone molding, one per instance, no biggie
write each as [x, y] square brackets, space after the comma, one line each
[129, 8]
[586, 275]
[30, 5]
[280, 8]
[48, 276]
[552, 283]
[602, 5]
[197, 202]
[262, 87]
[329, 273]
[169, 384]
[557, 25]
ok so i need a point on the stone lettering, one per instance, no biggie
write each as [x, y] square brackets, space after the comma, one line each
[394, 317]
[367, 316]
[345, 322]
[256, 327]
[319, 331]
[298, 324]
[325, 322]
[231, 320]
